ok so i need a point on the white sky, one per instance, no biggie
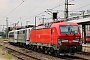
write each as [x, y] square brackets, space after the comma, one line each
[31, 8]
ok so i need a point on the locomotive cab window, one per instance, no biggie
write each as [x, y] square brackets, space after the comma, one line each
[11, 35]
[68, 29]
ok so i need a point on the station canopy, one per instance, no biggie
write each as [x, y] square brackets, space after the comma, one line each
[85, 21]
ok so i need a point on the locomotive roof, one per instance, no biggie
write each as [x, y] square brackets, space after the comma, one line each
[64, 23]
[48, 25]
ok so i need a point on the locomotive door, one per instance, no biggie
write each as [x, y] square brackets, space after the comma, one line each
[53, 35]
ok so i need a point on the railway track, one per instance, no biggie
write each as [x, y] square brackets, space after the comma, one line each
[21, 55]
[85, 55]
[25, 54]
[17, 52]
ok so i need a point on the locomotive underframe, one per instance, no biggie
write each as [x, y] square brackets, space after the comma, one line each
[51, 48]
[59, 48]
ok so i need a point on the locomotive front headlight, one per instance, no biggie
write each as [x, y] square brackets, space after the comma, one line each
[77, 40]
[64, 40]
[59, 41]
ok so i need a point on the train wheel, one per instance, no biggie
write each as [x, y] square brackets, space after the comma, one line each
[38, 50]
[32, 47]
[29, 47]
[23, 45]
[20, 44]
[26, 46]
[35, 48]
[46, 50]
[52, 50]
[49, 51]
[56, 53]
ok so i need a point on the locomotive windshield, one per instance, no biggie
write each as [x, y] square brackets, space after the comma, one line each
[68, 29]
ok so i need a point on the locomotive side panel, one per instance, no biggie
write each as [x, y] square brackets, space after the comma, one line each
[46, 36]
[41, 36]
[32, 37]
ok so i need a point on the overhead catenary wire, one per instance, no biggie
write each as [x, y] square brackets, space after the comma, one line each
[34, 8]
[61, 4]
[15, 8]
[81, 7]
[56, 7]
[52, 9]
[41, 12]
[69, 11]
[5, 8]
[76, 10]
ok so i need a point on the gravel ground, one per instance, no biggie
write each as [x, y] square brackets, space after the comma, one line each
[4, 55]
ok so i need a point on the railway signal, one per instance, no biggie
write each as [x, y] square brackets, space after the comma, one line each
[54, 15]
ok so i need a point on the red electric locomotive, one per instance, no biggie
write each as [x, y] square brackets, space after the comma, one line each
[58, 37]
[87, 36]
